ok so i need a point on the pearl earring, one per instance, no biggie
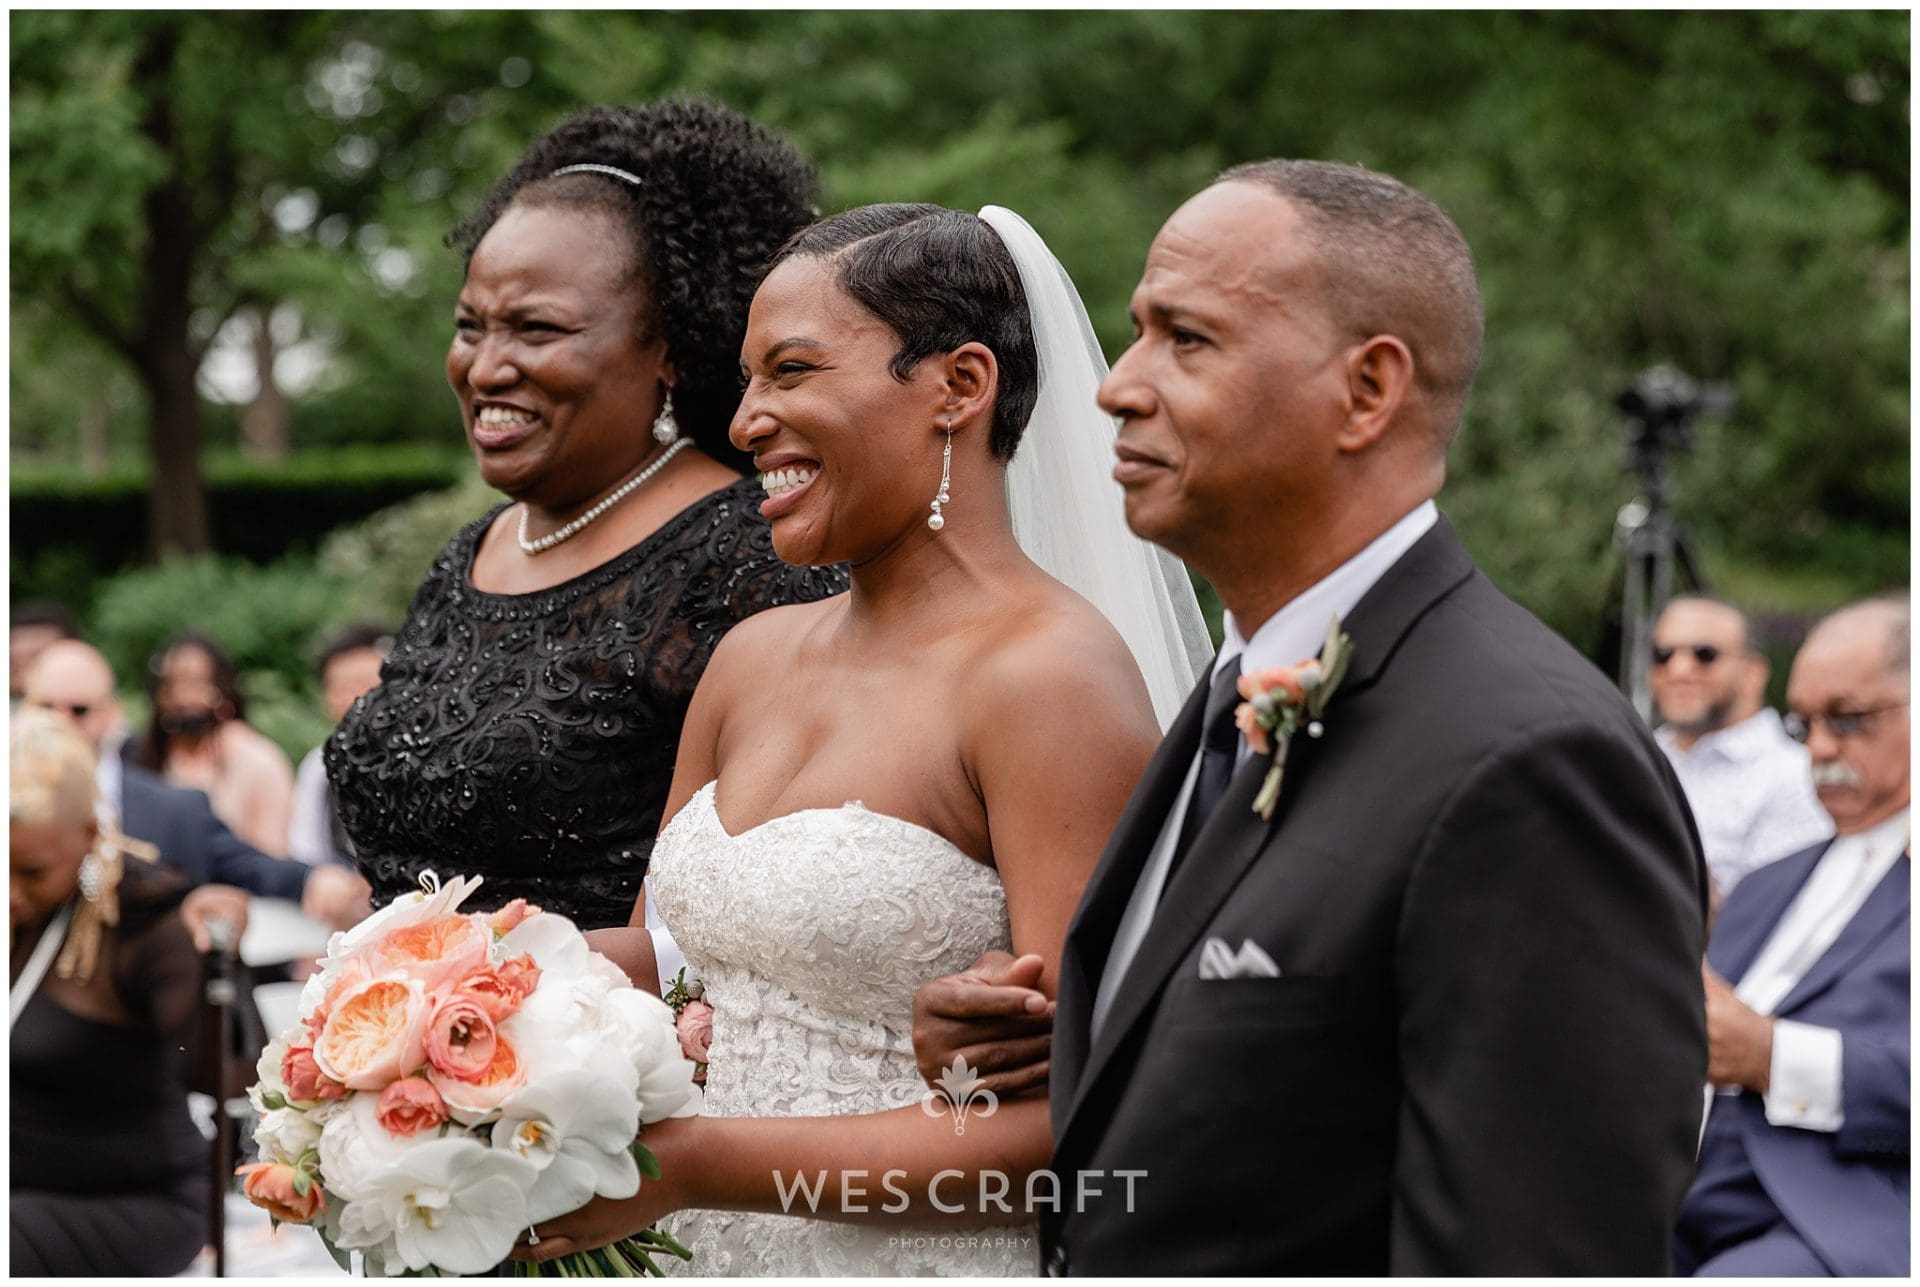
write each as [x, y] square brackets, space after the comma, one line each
[937, 521]
[665, 429]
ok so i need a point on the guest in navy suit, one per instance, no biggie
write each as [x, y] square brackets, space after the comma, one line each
[1804, 1164]
[73, 679]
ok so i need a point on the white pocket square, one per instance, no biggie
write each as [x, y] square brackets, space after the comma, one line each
[1218, 961]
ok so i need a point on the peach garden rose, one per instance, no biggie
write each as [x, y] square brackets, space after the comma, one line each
[375, 1034]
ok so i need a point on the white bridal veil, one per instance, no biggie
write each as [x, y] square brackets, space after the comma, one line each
[1067, 510]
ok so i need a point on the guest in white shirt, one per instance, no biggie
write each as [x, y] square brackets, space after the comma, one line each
[349, 667]
[1804, 1160]
[1745, 779]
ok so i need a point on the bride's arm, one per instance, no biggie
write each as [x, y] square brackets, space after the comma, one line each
[899, 1166]
[1062, 734]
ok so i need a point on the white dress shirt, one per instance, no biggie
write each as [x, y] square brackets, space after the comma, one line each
[1292, 634]
[1751, 793]
[309, 827]
[1803, 1086]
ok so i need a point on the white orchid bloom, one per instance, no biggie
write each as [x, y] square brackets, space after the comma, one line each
[453, 1204]
[556, 946]
[577, 1129]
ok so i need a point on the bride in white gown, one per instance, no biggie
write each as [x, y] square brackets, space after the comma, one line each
[874, 789]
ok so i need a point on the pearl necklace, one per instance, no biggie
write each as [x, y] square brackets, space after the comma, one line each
[613, 498]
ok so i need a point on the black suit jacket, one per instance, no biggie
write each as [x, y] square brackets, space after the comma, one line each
[1485, 1050]
[194, 842]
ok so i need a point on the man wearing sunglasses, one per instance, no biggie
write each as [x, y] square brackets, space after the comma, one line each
[1745, 780]
[1804, 1158]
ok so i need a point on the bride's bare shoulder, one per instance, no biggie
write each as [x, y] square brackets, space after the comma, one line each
[770, 634]
[1061, 651]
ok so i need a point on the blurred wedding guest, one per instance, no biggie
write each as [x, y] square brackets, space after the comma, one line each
[199, 737]
[109, 1173]
[1745, 779]
[1804, 1163]
[349, 666]
[34, 625]
[73, 680]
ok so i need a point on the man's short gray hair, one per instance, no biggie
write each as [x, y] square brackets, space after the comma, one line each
[1393, 263]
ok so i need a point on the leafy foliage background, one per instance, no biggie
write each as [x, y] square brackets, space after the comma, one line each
[1727, 191]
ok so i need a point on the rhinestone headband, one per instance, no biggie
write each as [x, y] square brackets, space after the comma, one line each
[592, 167]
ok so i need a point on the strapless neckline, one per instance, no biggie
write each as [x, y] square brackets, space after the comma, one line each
[708, 795]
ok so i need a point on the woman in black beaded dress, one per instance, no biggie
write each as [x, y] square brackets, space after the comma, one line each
[528, 716]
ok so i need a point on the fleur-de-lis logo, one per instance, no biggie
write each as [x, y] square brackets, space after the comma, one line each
[961, 1091]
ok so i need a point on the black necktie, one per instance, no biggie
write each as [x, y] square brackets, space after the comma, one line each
[1219, 747]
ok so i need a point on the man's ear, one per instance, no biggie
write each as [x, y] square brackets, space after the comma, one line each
[1379, 379]
[972, 381]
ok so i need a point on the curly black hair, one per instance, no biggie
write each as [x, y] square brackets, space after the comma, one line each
[718, 196]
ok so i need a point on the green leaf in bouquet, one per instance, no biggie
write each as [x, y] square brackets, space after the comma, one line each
[341, 1257]
[649, 1165]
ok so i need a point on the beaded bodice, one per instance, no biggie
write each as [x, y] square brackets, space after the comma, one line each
[530, 738]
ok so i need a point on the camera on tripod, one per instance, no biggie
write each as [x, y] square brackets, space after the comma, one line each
[1661, 406]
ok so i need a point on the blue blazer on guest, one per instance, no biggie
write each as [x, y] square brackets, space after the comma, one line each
[191, 840]
[1846, 1193]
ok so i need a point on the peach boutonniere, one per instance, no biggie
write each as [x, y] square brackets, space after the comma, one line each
[1281, 701]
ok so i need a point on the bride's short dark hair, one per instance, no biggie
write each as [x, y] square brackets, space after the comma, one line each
[938, 278]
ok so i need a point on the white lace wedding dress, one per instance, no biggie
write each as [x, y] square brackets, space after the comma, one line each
[810, 933]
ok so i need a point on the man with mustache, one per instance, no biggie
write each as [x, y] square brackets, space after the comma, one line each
[1804, 1164]
[1745, 779]
[1428, 1000]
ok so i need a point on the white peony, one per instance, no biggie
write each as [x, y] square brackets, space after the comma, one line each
[355, 1150]
[577, 1129]
[267, 1069]
[283, 1134]
[642, 1026]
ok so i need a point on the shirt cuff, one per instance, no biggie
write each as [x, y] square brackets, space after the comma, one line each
[668, 955]
[1804, 1082]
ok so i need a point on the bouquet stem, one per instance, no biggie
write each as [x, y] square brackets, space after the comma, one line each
[628, 1258]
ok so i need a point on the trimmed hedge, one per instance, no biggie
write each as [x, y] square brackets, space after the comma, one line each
[70, 531]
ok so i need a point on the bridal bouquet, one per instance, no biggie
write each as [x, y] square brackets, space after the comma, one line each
[454, 1079]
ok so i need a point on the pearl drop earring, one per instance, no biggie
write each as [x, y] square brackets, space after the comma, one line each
[937, 521]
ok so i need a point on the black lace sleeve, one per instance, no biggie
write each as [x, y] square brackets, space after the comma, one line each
[530, 739]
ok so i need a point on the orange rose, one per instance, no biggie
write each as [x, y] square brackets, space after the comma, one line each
[409, 1106]
[1248, 721]
[500, 990]
[460, 1038]
[375, 1035]
[270, 1185]
[433, 951]
[1284, 678]
[483, 1092]
[304, 1079]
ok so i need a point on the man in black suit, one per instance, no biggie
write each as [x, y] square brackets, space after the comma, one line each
[72, 678]
[1439, 1009]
